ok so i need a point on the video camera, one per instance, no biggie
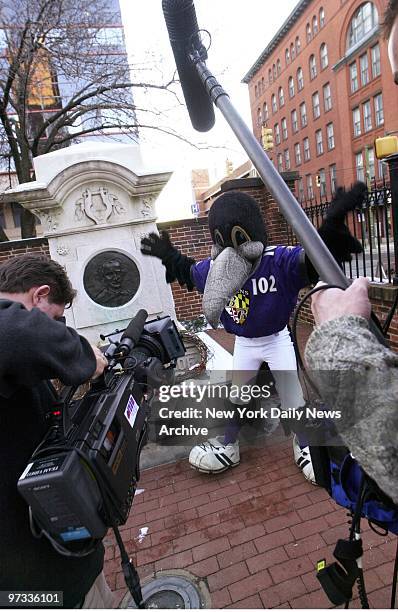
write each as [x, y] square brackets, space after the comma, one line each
[81, 479]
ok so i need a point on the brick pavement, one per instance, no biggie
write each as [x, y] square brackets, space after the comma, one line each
[253, 533]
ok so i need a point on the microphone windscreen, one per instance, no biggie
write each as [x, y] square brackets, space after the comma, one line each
[135, 327]
[183, 29]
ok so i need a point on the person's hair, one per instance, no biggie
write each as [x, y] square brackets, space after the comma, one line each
[389, 17]
[19, 274]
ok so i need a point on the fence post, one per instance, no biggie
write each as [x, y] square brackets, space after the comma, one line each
[393, 167]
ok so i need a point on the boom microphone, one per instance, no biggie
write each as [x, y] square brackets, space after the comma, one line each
[133, 333]
[183, 29]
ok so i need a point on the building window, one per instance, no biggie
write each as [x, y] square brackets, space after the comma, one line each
[319, 142]
[277, 133]
[259, 118]
[308, 32]
[333, 178]
[354, 77]
[376, 69]
[269, 76]
[281, 97]
[292, 51]
[306, 147]
[287, 56]
[364, 67]
[280, 162]
[273, 103]
[312, 65]
[284, 128]
[278, 66]
[367, 116]
[297, 45]
[294, 121]
[287, 159]
[324, 56]
[300, 79]
[359, 167]
[327, 97]
[303, 114]
[300, 190]
[364, 20]
[356, 121]
[370, 162]
[379, 112]
[291, 87]
[310, 188]
[330, 136]
[321, 17]
[382, 168]
[255, 91]
[265, 112]
[274, 71]
[315, 25]
[297, 153]
[316, 106]
[322, 182]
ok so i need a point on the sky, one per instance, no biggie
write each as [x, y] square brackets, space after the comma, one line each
[239, 33]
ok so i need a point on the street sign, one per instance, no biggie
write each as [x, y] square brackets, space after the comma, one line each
[195, 208]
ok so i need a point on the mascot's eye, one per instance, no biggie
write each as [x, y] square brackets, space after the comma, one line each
[239, 236]
[218, 238]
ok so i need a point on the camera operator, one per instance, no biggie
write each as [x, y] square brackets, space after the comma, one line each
[342, 344]
[35, 347]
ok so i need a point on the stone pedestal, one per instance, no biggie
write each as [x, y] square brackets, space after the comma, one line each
[95, 202]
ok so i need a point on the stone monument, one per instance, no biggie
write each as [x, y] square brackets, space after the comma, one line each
[95, 201]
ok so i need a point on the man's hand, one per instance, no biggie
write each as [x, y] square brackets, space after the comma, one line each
[334, 303]
[102, 361]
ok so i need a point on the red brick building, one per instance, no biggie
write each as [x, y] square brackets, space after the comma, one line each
[324, 85]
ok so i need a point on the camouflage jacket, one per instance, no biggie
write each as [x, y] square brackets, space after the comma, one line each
[357, 375]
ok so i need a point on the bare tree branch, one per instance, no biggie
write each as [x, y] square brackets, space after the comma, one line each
[65, 75]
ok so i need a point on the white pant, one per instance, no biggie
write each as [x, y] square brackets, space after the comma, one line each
[278, 351]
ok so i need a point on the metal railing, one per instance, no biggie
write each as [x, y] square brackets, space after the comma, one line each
[372, 225]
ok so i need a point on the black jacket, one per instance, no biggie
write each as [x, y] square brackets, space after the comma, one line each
[33, 350]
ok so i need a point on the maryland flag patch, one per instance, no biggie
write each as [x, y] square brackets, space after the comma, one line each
[238, 307]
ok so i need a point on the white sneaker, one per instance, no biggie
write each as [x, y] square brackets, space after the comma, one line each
[213, 456]
[302, 458]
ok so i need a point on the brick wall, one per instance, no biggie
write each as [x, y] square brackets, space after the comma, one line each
[20, 247]
[192, 237]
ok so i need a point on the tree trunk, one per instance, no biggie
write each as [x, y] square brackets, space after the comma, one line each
[28, 224]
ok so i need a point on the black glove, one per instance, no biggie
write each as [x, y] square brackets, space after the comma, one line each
[334, 232]
[178, 266]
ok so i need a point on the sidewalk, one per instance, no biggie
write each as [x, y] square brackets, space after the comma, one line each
[253, 533]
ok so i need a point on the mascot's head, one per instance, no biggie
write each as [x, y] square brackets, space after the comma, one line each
[239, 238]
[234, 219]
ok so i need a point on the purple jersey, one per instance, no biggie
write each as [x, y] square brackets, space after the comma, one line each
[264, 304]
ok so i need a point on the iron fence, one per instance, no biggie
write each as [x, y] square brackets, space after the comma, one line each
[372, 225]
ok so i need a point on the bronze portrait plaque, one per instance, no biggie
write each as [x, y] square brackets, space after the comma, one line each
[111, 279]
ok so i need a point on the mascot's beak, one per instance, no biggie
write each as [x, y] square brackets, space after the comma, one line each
[229, 271]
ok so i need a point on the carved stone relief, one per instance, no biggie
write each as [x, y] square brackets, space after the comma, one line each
[111, 279]
[98, 205]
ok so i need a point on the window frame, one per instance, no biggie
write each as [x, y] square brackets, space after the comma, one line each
[319, 142]
[356, 121]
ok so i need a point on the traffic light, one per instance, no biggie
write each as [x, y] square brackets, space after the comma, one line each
[267, 138]
[385, 146]
[318, 180]
[229, 167]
